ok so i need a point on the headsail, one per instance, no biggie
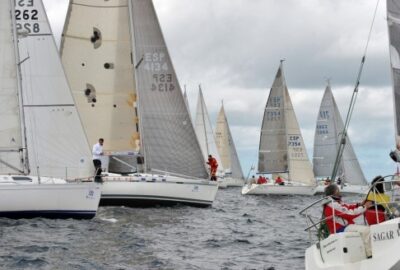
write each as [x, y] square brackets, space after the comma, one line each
[55, 139]
[97, 55]
[282, 147]
[205, 133]
[393, 19]
[226, 146]
[326, 144]
[11, 140]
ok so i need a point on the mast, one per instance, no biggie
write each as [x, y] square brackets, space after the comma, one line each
[25, 159]
[285, 109]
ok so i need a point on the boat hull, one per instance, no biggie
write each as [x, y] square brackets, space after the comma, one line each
[342, 254]
[233, 182]
[266, 189]
[148, 191]
[56, 200]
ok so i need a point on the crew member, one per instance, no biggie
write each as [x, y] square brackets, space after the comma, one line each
[97, 152]
[212, 162]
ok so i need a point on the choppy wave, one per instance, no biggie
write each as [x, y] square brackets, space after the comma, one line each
[238, 232]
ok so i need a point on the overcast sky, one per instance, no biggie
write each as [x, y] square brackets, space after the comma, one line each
[233, 48]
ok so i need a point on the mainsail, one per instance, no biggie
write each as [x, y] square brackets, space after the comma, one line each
[55, 141]
[205, 133]
[393, 19]
[282, 147]
[326, 144]
[125, 85]
[226, 146]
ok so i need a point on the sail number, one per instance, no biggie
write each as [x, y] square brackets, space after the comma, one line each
[322, 129]
[162, 83]
[27, 15]
[275, 101]
[324, 114]
[274, 116]
[155, 62]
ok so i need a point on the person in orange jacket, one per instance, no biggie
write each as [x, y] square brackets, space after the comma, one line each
[212, 162]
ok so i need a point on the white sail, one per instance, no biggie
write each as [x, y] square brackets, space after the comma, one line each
[11, 144]
[56, 142]
[393, 19]
[205, 133]
[326, 143]
[282, 148]
[97, 56]
[125, 85]
[226, 146]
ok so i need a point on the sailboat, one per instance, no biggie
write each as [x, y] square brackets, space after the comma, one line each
[227, 151]
[282, 151]
[42, 143]
[326, 142]
[205, 135]
[127, 92]
[345, 250]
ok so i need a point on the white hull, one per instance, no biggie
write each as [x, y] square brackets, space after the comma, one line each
[222, 184]
[233, 182]
[150, 190]
[255, 189]
[330, 254]
[52, 198]
[347, 189]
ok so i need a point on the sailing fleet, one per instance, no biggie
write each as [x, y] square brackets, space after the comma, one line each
[113, 78]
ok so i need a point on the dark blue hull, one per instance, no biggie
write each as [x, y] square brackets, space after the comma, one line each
[149, 201]
[52, 214]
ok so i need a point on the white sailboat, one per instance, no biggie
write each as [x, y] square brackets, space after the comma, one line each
[326, 142]
[227, 151]
[205, 135]
[345, 250]
[127, 92]
[42, 142]
[282, 151]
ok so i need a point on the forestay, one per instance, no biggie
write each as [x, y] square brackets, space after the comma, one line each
[56, 143]
[326, 143]
[168, 138]
[282, 147]
[226, 146]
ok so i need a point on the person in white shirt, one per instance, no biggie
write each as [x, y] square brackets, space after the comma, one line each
[97, 152]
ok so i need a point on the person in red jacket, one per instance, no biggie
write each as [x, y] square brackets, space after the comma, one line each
[279, 181]
[212, 162]
[261, 180]
[340, 216]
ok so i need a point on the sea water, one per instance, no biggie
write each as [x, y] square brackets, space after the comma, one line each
[237, 232]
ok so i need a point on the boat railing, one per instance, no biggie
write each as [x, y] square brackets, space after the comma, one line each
[315, 221]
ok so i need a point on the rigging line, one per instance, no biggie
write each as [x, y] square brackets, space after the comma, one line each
[353, 99]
